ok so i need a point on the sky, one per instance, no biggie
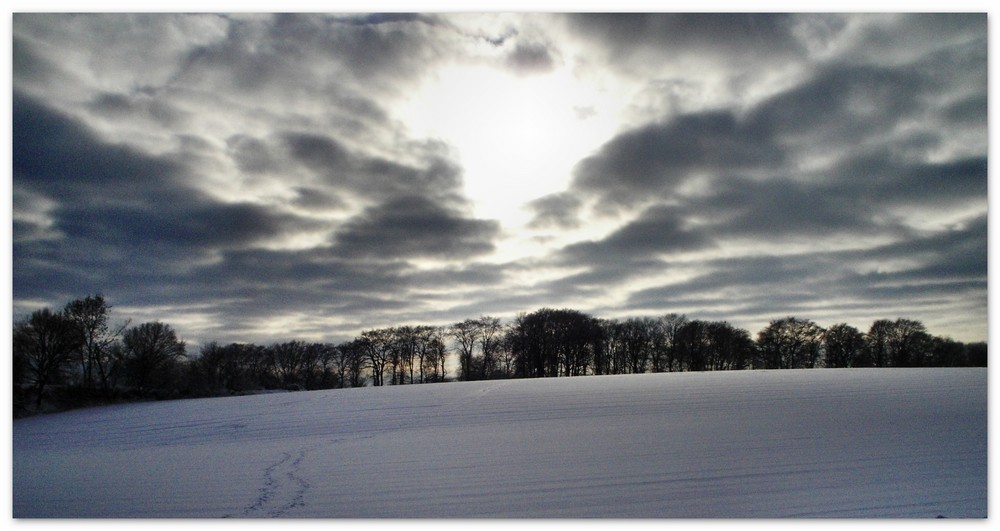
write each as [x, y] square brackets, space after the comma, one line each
[262, 178]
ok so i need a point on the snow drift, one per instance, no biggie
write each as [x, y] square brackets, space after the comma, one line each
[798, 443]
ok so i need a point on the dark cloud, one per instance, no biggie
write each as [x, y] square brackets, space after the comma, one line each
[833, 283]
[969, 111]
[745, 169]
[777, 209]
[62, 159]
[530, 58]
[138, 106]
[655, 160]
[370, 48]
[879, 180]
[314, 199]
[335, 165]
[842, 104]
[414, 226]
[730, 35]
[903, 35]
[250, 154]
[196, 225]
[29, 65]
[110, 201]
[320, 152]
[555, 210]
[957, 254]
[659, 230]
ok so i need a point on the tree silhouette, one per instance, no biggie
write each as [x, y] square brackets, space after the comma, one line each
[790, 343]
[377, 345]
[845, 346]
[151, 352]
[44, 344]
[693, 342]
[672, 322]
[91, 314]
[465, 334]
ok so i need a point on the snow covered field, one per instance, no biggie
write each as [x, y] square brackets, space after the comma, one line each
[805, 443]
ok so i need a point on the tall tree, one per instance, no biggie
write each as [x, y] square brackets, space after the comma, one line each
[845, 346]
[878, 341]
[377, 345]
[636, 336]
[910, 345]
[692, 343]
[672, 322]
[791, 343]
[351, 363]
[490, 337]
[466, 335]
[978, 354]
[152, 352]
[946, 352]
[430, 347]
[44, 344]
[292, 361]
[551, 342]
[92, 316]
[730, 348]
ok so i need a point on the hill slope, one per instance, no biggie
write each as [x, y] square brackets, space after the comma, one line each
[814, 443]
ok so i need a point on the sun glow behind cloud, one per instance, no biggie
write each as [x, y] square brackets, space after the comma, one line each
[517, 136]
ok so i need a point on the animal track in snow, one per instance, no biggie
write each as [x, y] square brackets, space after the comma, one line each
[284, 489]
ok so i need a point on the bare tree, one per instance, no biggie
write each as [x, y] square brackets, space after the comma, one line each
[692, 343]
[430, 347]
[791, 343]
[877, 340]
[151, 351]
[351, 358]
[730, 348]
[490, 337]
[291, 361]
[465, 334]
[671, 324]
[845, 346]
[946, 352]
[377, 345]
[44, 345]
[910, 345]
[92, 315]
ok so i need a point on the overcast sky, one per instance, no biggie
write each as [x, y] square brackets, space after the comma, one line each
[267, 178]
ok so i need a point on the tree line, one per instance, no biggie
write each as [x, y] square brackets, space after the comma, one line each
[76, 356]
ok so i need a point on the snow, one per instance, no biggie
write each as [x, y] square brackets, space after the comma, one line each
[825, 443]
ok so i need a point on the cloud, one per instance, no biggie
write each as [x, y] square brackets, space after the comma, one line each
[139, 106]
[842, 103]
[414, 226]
[30, 66]
[67, 162]
[117, 201]
[921, 276]
[335, 165]
[251, 155]
[655, 160]
[658, 230]
[257, 53]
[555, 210]
[742, 34]
[530, 58]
